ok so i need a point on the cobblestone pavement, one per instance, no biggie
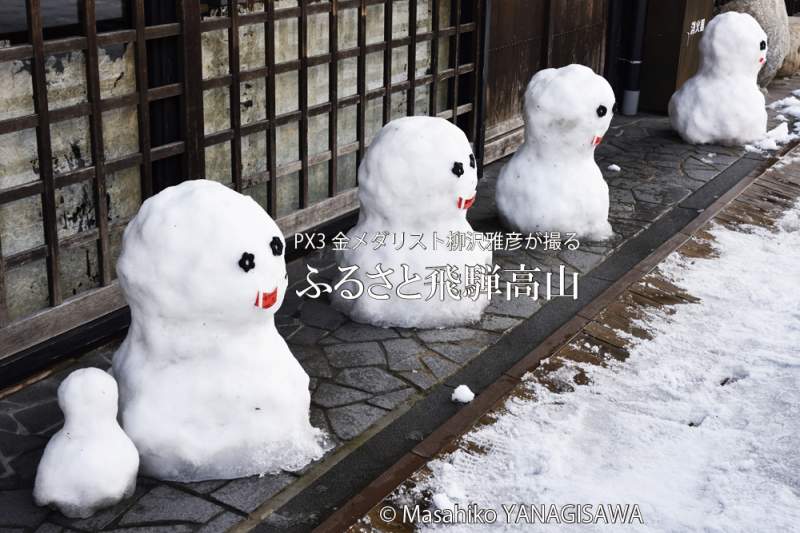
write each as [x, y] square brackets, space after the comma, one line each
[360, 374]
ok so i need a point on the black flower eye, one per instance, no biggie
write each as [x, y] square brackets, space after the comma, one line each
[763, 45]
[247, 262]
[601, 111]
[276, 244]
[458, 169]
[471, 161]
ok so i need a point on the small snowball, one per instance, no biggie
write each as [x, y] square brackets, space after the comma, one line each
[90, 464]
[614, 168]
[462, 394]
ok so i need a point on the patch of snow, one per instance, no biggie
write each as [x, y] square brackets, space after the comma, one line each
[552, 183]
[722, 102]
[418, 177]
[208, 387]
[442, 501]
[462, 394]
[698, 427]
[614, 168]
[90, 463]
[787, 106]
[775, 138]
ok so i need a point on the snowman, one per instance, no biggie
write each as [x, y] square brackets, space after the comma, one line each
[722, 103]
[208, 388]
[552, 182]
[416, 183]
[90, 463]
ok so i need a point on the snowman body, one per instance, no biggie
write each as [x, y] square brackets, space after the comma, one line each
[552, 182]
[90, 463]
[208, 388]
[722, 103]
[416, 182]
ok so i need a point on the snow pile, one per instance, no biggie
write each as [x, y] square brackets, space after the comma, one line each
[698, 427]
[775, 138]
[722, 102]
[90, 463]
[418, 178]
[208, 388]
[789, 106]
[780, 135]
[552, 182]
[462, 394]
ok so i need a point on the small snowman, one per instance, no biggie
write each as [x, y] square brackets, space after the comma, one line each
[90, 463]
[552, 182]
[722, 103]
[208, 388]
[416, 183]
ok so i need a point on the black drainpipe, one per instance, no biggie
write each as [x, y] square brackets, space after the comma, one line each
[630, 98]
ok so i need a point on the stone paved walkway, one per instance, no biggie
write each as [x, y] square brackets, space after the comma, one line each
[361, 376]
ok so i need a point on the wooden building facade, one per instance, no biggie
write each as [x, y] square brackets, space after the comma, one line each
[105, 102]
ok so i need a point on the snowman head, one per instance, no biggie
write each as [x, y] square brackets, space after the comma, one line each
[567, 110]
[417, 171]
[204, 253]
[733, 44]
[88, 396]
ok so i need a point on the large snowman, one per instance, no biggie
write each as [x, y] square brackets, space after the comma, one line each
[722, 103]
[416, 183]
[552, 182]
[208, 388]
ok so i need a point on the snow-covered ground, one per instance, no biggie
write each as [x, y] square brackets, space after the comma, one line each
[699, 427]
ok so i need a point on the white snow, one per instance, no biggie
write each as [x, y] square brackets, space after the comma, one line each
[442, 501]
[552, 182]
[787, 106]
[614, 168]
[418, 177]
[208, 388]
[775, 138]
[698, 427]
[90, 463]
[781, 134]
[462, 394]
[722, 102]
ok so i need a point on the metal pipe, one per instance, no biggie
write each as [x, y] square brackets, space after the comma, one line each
[630, 97]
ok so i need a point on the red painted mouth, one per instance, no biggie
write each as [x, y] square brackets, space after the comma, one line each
[465, 204]
[265, 300]
[597, 140]
[761, 60]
